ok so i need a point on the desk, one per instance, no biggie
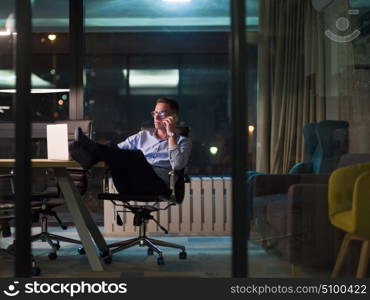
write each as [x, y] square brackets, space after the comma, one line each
[85, 225]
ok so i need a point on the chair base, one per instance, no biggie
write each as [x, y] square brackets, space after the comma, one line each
[50, 238]
[143, 241]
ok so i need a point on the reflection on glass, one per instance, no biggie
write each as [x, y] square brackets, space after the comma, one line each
[312, 123]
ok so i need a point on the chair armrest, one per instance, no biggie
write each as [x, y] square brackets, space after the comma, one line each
[308, 207]
[361, 205]
[341, 184]
[273, 183]
[308, 198]
[314, 238]
[314, 178]
[301, 168]
[172, 175]
[279, 183]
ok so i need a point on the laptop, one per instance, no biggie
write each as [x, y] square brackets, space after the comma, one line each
[57, 141]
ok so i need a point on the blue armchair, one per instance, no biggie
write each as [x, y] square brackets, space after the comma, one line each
[325, 142]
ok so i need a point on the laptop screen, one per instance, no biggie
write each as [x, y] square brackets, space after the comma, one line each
[57, 141]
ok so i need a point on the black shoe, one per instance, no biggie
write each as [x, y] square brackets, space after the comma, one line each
[85, 158]
[86, 142]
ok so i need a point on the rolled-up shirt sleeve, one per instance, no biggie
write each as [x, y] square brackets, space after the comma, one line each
[179, 155]
[130, 143]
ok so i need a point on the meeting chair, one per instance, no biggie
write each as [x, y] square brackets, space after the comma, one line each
[48, 200]
[325, 142]
[143, 207]
[52, 198]
[7, 215]
[349, 210]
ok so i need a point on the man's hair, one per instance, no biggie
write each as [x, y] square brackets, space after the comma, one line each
[174, 105]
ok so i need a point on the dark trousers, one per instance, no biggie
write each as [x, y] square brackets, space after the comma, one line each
[131, 173]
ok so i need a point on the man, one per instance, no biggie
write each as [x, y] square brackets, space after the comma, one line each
[140, 164]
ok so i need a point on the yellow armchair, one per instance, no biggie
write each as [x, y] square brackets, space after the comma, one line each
[349, 210]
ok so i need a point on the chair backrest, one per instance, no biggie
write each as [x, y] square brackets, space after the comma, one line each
[85, 125]
[311, 141]
[353, 159]
[333, 143]
[182, 176]
[325, 143]
[180, 183]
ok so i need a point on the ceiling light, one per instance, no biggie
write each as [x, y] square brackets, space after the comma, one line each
[38, 91]
[156, 78]
[7, 80]
[177, 1]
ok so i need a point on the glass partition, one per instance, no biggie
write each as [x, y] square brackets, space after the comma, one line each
[51, 62]
[140, 51]
[7, 128]
[311, 119]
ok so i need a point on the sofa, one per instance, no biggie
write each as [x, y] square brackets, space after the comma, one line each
[290, 216]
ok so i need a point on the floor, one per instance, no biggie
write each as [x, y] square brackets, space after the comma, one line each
[206, 257]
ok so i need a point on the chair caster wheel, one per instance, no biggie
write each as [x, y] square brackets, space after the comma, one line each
[160, 261]
[52, 256]
[182, 255]
[104, 253]
[81, 250]
[64, 227]
[107, 259]
[35, 271]
[107, 256]
[6, 231]
[150, 251]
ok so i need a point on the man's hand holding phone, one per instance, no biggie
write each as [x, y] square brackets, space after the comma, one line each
[170, 124]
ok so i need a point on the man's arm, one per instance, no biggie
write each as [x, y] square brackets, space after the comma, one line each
[130, 143]
[179, 153]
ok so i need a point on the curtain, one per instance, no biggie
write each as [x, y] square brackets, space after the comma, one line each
[291, 81]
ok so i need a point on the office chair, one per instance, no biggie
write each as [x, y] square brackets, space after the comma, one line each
[143, 212]
[51, 198]
[7, 208]
[349, 210]
[48, 200]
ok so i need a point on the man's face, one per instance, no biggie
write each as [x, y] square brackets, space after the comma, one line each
[161, 112]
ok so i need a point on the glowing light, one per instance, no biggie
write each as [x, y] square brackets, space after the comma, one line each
[213, 150]
[37, 91]
[52, 37]
[177, 1]
[60, 102]
[5, 33]
[153, 78]
[251, 129]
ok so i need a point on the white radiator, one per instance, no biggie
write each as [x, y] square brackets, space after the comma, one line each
[206, 210]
